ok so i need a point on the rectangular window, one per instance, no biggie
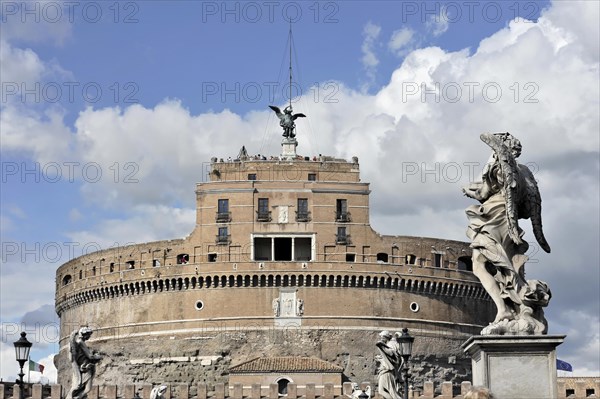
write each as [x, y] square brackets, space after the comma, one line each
[223, 206]
[341, 237]
[303, 248]
[437, 260]
[262, 248]
[302, 212]
[223, 236]
[312, 177]
[341, 210]
[223, 215]
[212, 257]
[251, 176]
[263, 213]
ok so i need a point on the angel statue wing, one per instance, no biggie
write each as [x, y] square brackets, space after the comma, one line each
[523, 200]
[281, 114]
[277, 111]
[298, 115]
[532, 206]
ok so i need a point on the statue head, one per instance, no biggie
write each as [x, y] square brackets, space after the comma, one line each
[288, 109]
[386, 335]
[85, 332]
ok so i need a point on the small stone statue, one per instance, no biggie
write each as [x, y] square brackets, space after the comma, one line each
[158, 392]
[358, 393]
[84, 362]
[299, 307]
[276, 307]
[508, 192]
[390, 362]
[286, 120]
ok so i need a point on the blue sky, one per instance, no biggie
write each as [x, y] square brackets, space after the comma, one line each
[145, 95]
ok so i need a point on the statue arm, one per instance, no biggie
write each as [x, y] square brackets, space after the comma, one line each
[385, 349]
[473, 190]
[87, 352]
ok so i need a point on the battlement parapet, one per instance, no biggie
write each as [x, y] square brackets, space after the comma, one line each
[237, 391]
[223, 391]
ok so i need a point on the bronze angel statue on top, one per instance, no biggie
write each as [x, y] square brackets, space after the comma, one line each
[286, 120]
[508, 192]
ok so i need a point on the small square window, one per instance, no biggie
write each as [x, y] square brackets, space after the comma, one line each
[350, 257]
[312, 177]
[212, 257]
[251, 176]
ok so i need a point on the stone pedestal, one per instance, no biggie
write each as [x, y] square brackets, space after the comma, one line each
[288, 148]
[512, 367]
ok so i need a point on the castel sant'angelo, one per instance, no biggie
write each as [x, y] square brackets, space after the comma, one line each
[283, 280]
[282, 264]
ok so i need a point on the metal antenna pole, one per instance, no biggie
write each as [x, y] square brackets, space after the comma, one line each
[290, 63]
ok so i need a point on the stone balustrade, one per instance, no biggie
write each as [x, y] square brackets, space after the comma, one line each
[222, 391]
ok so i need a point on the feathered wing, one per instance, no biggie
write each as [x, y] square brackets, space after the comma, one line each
[277, 111]
[510, 175]
[73, 345]
[298, 115]
[532, 206]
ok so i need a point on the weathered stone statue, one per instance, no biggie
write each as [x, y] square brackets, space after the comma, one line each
[358, 393]
[299, 307]
[388, 373]
[158, 392]
[508, 192]
[84, 362]
[275, 306]
[286, 120]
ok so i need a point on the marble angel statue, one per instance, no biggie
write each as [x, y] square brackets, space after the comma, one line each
[508, 192]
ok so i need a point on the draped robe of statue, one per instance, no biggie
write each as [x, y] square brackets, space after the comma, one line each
[389, 383]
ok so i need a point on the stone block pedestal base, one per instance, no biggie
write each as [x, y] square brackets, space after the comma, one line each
[513, 367]
[288, 148]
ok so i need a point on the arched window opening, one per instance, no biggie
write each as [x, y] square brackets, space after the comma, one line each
[183, 259]
[382, 257]
[282, 385]
[465, 263]
[67, 279]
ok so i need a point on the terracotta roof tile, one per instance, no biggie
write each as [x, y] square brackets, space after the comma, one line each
[286, 364]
